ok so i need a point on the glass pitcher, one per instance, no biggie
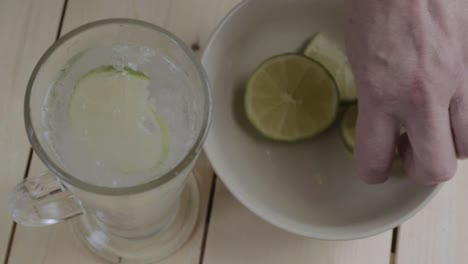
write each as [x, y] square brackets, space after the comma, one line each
[132, 220]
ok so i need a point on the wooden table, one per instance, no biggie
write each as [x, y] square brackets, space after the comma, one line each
[227, 233]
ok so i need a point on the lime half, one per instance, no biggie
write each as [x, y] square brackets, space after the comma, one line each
[291, 97]
[348, 126]
[323, 50]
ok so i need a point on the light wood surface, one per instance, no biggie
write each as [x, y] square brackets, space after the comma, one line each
[238, 236]
[191, 20]
[27, 28]
[437, 235]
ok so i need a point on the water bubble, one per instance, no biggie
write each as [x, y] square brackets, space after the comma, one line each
[147, 124]
[132, 66]
[46, 134]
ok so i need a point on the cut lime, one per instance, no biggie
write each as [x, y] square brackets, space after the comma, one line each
[323, 50]
[115, 122]
[348, 126]
[291, 97]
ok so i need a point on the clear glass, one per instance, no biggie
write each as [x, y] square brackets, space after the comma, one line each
[125, 220]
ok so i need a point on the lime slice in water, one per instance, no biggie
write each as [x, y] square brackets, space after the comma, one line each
[115, 122]
[291, 97]
[323, 50]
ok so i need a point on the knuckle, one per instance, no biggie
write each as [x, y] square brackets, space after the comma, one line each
[373, 173]
[459, 105]
[441, 173]
[463, 155]
[420, 95]
[456, 105]
[378, 94]
[462, 152]
[461, 142]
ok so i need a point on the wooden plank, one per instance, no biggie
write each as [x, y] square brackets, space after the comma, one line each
[238, 236]
[439, 233]
[27, 28]
[190, 21]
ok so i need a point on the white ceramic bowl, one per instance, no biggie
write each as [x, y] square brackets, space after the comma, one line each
[310, 187]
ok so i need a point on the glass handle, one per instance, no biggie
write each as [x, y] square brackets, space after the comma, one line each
[42, 200]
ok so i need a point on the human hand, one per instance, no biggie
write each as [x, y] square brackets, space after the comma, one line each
[408, 58]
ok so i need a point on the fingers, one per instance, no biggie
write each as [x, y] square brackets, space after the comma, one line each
[459, 122]
[427, 150]
[376, 135]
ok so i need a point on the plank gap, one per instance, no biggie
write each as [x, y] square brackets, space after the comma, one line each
[62, 18]
[207, 218]
[394, 246]
[10, 242]
[394, 240]
[28, 163]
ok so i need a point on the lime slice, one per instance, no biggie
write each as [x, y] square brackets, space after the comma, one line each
[112, 117]
[348, 126]
[291, 97]
[323, 50]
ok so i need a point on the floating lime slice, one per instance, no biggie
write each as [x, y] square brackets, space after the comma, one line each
[115, 122]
